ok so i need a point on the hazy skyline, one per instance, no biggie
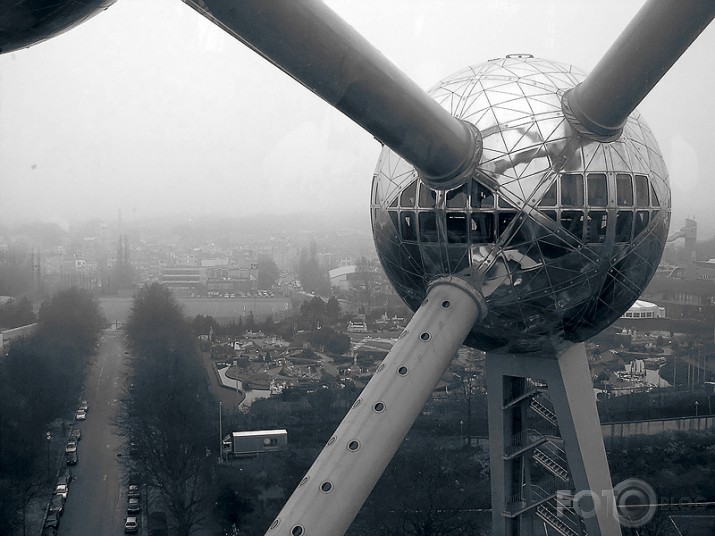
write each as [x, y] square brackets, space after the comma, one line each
[150, 109]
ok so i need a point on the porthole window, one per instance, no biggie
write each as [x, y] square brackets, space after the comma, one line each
[402, 371]
[379, 407]
[446, 304]
[297, 531]
[326, 487]
[353, 445]
[425, 336]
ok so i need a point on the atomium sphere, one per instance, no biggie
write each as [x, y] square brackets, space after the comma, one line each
[559, 233]
[23, 24]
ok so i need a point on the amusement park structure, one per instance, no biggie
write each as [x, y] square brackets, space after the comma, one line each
[519, 207]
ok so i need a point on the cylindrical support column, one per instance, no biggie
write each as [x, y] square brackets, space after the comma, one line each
[309, 42]
[656, 37]
[332, 492]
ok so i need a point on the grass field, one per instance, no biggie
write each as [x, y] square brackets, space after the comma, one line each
[224, 310]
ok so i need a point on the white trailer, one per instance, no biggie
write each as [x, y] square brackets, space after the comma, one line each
[253, 443]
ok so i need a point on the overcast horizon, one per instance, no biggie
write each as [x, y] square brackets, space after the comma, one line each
[152, 110]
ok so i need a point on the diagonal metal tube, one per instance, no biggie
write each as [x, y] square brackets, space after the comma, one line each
[341, 478]
[308, 41]
[653, 41]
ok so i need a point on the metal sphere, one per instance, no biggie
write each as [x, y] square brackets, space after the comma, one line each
[23, 24]
[560, 233]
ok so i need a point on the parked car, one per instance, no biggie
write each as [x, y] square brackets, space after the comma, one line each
[65, 477]
[57, 504]
[62, 490]
[134, 491]
[76, 433]
[71, 446]
[80, 415]
[131, 525]
[71, 458]
[52, 520]
[133, 505]
[83, 405]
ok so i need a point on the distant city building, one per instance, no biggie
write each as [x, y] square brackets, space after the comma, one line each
[644, 309]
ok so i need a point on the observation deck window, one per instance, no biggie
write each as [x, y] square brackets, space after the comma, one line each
[428, 227]
[624, 221]
[549, 199]
[654, 197]
[428, 197]
[642, 219]
[572, 190]
[596, 227]
[572, 221]
[482, 197]
[505, 219]
[456, 227]
[597, 189]
[641, 191]
[407, 199]
[624, 190]
[457, 198]
[408, 225]
[482, 228]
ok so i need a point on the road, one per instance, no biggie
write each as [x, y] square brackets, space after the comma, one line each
[96, 504]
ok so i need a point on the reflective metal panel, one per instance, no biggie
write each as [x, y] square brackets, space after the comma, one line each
[559, 233]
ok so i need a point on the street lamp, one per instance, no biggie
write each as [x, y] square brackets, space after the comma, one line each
[49, 440]
[696, 407]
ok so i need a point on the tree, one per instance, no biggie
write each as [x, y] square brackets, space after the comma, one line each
[72, 320]
[170, 421]
[311, 276]
[156, 322]
[268, 273]
[16, 313]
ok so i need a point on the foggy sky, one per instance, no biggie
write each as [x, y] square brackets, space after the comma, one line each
[151, 109]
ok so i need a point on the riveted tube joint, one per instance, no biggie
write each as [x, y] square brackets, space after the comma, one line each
[661, 31]
[310, 43]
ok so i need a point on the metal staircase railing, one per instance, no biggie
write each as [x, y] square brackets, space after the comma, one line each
[564, 520]
[524, 390]
[544, 412]
[552, 458]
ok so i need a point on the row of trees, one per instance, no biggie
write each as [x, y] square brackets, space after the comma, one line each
[15, 313]
[40, 380]
[167, 413]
